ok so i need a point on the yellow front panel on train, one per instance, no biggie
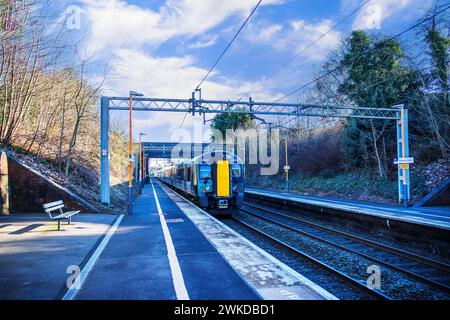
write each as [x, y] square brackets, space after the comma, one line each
[223, 178]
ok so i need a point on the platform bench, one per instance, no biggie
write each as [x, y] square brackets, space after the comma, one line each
[58, 205]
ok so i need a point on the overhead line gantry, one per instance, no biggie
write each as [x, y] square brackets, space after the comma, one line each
[195, 106]
[201, 106]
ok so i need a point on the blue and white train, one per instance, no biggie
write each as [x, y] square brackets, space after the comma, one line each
[215, 180]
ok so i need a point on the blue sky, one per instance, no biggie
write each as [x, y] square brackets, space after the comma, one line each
[163, 48]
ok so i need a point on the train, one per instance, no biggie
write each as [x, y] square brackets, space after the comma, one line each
[216, 181]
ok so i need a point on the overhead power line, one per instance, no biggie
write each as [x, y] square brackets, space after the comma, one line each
[222, 54]
[184, 119]
[287, 121]
[228, 46]
[306, 48]
[365, 53]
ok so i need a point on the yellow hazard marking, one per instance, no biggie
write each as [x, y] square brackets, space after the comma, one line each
[223, 178]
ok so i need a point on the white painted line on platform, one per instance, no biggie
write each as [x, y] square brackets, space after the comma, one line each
[177, 275]
[10, 228]
[78, 284]
[250, 261]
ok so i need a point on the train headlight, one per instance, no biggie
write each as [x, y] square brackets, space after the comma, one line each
[208, 188]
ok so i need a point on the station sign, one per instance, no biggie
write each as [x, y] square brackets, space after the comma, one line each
[404, 161]
[404, 166]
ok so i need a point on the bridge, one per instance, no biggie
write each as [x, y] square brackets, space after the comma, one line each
[167, 150]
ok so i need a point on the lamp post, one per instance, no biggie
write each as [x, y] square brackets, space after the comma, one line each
[130, 154]
[141, 163]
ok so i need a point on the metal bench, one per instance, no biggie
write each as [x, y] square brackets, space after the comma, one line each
[58, 205]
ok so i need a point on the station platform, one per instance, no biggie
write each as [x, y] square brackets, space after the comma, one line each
[170, 249]
[438, 217]
[35, 256]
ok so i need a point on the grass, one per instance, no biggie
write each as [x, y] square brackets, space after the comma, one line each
[358, 185]
[352, 184]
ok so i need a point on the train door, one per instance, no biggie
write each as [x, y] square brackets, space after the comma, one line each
[189, 183]
[185, 177]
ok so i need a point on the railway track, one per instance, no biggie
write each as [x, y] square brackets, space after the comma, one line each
[332, 273]
[410, 255]
[407, 266]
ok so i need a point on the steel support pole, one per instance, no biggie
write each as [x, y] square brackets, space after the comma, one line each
[286, 169]
[136, 167]
[404, 189]
[140, 173]
[399, 155]
[144, 168]
[406, 172]
[147, 168]
[130, 159]
[105, 196]
[139, 166]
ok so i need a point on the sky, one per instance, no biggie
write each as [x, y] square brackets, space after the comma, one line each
[163, 48]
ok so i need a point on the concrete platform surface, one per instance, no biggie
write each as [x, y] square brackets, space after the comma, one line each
[270, 278]
[432, 216]
[34, 256]
[168, 249]
[158, 254]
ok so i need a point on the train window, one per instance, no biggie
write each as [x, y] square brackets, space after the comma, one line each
[205, 172]
[236, 171]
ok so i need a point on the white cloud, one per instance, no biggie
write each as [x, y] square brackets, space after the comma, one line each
[193, 17]
[267, 33]
[375, 13]
[173, 77]
[295, 36]
[168, 77]
[116, 23]
[130, 34]
[204, 43]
